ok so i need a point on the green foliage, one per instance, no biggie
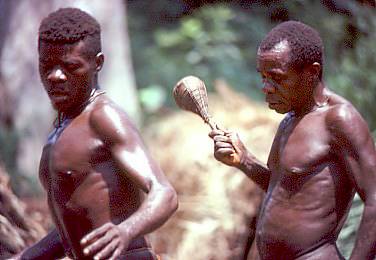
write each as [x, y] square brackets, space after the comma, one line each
[8, 154]
[220, 42]
[354, 76]
[21, 184]
[348, 233]
[212, 43]
[8, 148]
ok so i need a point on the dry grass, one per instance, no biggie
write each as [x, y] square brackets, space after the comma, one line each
[216, 202]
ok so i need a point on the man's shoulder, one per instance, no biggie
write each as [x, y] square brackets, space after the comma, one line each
[343, 117]
[341, 111]
[105, 109]
[108, 118]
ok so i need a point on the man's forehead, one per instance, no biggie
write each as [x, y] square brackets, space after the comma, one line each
[52, 44]
[58, 48]
[279, 55]
[279, 47]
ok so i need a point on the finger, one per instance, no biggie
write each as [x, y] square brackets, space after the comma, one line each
[234, 137]
[215, 133]
[116, 254]
[224, 151]
[107, 251]
[97, 245]
[94, 234]
[221, 138]
[219, 145]
[224, 130]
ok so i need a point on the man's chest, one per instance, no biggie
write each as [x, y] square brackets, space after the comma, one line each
[75, 148]
[301, 146]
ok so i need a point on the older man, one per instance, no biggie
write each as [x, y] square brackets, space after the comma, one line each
[321, 155]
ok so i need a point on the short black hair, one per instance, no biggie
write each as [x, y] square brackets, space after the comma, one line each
[304, 41]
[71, 25]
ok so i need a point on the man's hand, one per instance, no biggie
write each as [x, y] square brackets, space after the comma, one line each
[228, 148]
[105, 242]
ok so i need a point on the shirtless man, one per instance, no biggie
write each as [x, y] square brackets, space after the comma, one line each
[104, 190]
[321, 155]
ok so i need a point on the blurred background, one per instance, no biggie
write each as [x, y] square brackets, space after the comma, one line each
[149, 46]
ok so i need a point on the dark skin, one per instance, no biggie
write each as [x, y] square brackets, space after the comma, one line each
[321, 155]
[104, 189]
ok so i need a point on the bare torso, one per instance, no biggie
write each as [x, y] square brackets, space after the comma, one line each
[309, 193]
[84, 186]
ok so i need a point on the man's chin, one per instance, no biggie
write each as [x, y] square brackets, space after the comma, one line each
[279, 108]
[59, 107]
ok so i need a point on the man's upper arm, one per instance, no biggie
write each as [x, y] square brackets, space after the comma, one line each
[123, 140]
[354, 144]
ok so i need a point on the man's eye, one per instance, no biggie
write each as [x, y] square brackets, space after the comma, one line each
[44, 66]
[72, 66]
[43, 63]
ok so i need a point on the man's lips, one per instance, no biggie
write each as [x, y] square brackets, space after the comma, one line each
[58, 97]
[57, 93]
[273, 102]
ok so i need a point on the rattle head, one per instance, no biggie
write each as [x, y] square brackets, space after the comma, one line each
[190, 94]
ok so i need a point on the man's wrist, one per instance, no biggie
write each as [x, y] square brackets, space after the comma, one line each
[245, 161]
[126, 230]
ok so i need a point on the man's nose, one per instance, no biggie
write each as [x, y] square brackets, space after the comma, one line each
[268, 88]
[57, 75]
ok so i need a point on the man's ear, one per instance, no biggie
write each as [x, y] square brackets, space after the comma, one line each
[314, 69]
[99, 60]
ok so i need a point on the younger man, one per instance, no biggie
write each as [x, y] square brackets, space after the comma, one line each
[104, 190]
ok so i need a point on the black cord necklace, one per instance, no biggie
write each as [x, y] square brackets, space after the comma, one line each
[61, 116]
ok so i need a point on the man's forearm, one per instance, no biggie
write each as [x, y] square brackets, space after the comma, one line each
[49, 247]
[154, 212]
[255, 170]
[365, 244]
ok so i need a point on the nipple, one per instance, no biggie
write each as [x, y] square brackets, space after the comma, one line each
[66, 176]
[69, 173]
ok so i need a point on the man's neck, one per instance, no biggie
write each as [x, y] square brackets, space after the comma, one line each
[76, 109]
[318, 98]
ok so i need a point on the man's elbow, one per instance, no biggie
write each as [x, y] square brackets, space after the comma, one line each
[165, 199]
[171, 200]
